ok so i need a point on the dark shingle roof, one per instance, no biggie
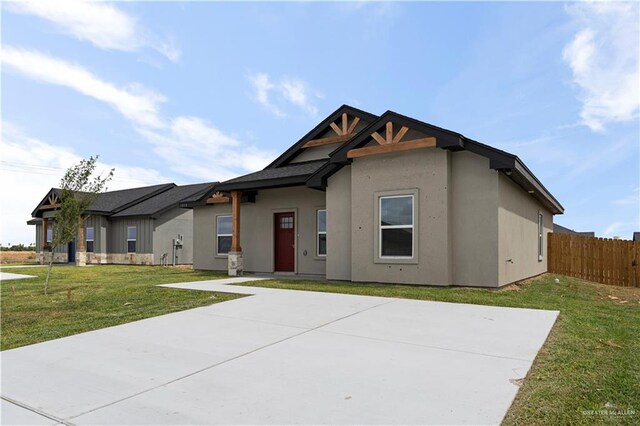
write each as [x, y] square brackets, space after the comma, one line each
[165, 200]
[198, 195]
[115, 201]
[292, 174]
[559, 229]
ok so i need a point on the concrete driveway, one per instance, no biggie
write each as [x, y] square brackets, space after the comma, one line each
[10, 276]
[282, 357]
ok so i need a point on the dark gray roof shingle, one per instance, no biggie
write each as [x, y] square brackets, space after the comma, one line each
[164, 201]
[114, 201]
[269, 176]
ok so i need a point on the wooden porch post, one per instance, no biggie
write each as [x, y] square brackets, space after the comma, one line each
[81, 253]
[45, 225]
[235, 221]
[81, 234]
[235, 263]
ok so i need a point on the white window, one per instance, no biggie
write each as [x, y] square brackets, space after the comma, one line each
[132, 237]
[540, 234]
[49, 235]
[89, 238]
[321, 245]
[223, 234]
[396, 226]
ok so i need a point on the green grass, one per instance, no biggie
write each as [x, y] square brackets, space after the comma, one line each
[101, 296]
[574, 372]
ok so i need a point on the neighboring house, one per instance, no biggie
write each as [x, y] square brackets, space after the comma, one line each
[380, 199]
[562, 230]
[131, 226]
[636, 236]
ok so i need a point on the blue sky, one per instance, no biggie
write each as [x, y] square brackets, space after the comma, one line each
[191, 92]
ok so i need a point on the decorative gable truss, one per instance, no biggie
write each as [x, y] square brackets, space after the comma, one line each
[392, 142]
[52, 201]
[343, 131]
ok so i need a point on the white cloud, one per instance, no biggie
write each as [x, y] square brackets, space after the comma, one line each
[277, 96]
[102, 24]
[604, 59]
[262, 86]
[190, 145]
[136, 103]
[631, 199]
[194, 147]
[296, 92]
[618, 229]
[29, 167]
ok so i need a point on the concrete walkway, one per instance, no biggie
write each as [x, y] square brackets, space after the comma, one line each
[9, 276]
[282, 357]
[27, 266]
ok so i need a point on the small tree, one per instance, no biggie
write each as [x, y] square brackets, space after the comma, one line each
[79, 191]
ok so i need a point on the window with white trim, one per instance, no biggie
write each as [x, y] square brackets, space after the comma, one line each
[396, 227]
[540, 235]
[321, 239]
[89, 239]
[223, 234]
[132, 238]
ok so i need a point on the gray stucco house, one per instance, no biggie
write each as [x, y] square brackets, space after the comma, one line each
[131, 226]
[384, 199]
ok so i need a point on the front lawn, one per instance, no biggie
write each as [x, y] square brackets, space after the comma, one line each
[587, 372]
[93, 297]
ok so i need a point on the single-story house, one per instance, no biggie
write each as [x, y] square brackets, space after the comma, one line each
[142, 226]
[558, 229]
[386, 199]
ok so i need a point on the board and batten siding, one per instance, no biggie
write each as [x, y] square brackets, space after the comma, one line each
[60, 249]
[117, 242]
[100, 225]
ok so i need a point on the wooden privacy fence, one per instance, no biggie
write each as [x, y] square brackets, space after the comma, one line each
[601, 260]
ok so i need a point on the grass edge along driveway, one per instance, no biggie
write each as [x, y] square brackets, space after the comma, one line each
[587, 372]
[90, 298]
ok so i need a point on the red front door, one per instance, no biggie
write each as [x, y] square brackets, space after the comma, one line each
[285, 241]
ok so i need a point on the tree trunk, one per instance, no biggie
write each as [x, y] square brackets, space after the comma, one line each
[46, 281]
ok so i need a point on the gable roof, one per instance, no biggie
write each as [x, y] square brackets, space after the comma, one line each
[142, 201]
[314, 174]
[499, 160]
[115, 201]
[164, 201]
[297, 147]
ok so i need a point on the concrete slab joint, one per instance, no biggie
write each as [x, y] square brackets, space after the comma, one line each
[235, 264]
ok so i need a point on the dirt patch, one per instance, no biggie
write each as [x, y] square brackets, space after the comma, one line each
[17, 256]
[618, 295]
